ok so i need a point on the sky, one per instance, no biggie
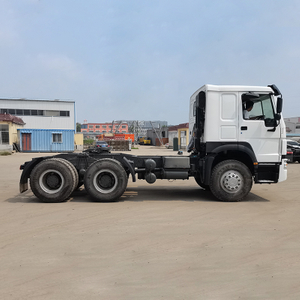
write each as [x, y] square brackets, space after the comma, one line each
[143, 59]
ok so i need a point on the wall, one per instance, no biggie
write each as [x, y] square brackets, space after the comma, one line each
[42, 140]
[4, 148]
[12, 134]
[183, 138]
[37, 122]
[172, 135]
[78, 141]
[102, 128]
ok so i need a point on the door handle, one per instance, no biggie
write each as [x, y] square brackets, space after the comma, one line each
[244, 128]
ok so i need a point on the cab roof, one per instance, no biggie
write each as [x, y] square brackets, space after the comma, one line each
[234, 88]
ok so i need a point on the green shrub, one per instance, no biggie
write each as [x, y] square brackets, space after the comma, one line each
[88, 142]
[3, 153]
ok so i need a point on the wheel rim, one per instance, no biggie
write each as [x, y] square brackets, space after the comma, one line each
[51, 181]
[105, 181]
[232, 181]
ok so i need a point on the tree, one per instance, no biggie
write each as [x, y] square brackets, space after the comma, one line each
[78, 127]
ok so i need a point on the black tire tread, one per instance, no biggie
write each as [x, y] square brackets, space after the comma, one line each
[73, 170]
[61, 196]
[218, 192]
[122, 181]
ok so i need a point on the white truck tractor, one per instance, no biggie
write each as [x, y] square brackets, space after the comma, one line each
[237, 137]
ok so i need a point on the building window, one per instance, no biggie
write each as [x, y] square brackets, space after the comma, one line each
[56, 138]
[123, 126]
[4, 134]
[52, 113]
[91, 126]
[104, 126]
[97, 126]
[33, 112]
[64, 113]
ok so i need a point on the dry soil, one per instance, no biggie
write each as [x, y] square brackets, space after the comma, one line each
[169, 240]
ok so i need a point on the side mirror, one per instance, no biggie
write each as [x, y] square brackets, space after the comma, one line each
[277, 117]
[275, 122]
[279, 105]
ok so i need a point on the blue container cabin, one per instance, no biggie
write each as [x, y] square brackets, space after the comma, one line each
[46, 140]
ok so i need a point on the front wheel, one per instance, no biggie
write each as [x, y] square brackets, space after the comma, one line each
[231, 181]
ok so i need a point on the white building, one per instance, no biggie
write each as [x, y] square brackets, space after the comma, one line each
[41, 114]
[292, 125]
[50, 125]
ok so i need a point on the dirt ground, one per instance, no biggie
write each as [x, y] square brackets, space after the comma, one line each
[169, 240]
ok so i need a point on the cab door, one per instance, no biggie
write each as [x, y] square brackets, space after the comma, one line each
[259, 130]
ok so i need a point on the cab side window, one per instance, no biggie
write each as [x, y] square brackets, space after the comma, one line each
[259, 107]
[256, 111]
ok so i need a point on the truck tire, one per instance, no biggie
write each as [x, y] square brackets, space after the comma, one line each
[52, 180]
[231, 181]
[201, 184]
[74, 172]
[105, 180]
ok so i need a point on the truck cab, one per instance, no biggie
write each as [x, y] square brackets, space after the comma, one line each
[241, 123]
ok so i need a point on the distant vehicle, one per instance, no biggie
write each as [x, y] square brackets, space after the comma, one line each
[295, 148]
[293, 144]
[100, 147]
[102, 144]
[289, 155]
[144, 141]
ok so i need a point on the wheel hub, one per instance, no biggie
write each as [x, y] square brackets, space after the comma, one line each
[106, 181]
[53, 181]
[232, 181]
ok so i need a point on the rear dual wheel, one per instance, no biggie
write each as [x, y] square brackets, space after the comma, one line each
[53, 180]
[105, 180]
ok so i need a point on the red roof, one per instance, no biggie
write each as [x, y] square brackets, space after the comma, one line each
[176, 127]
[10, 118]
